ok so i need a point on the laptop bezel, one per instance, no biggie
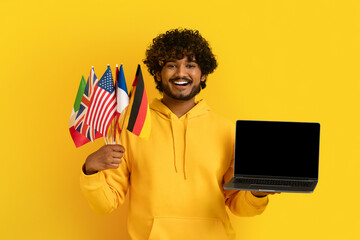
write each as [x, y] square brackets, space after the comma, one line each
[271, 176]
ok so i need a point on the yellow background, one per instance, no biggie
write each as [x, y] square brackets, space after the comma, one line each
[278, 60]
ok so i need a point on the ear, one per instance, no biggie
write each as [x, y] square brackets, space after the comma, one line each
[203, 78]
[158, 77]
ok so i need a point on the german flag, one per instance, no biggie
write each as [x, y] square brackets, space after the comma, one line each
[140, 119]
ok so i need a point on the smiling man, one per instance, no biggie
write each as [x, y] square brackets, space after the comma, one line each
[175, 179]
[180, 79]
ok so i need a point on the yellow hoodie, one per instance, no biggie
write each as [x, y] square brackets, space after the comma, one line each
[175, 179]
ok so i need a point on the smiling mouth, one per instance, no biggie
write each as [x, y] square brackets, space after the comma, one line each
[181, 82]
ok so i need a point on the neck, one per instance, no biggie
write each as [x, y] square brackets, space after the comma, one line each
[178, 107]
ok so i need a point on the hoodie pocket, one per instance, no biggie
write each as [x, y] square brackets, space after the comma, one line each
[178, 228]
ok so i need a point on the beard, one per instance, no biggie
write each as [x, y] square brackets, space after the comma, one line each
[180, 96]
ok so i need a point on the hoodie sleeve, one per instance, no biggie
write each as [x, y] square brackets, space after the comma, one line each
[106, 190]
[244, 203]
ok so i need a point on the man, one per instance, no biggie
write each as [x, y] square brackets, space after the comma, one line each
[175, 179]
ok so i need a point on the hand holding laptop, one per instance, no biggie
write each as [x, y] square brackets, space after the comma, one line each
[262, 194]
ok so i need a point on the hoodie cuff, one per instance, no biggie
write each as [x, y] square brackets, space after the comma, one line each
[257, 202]
[93, 181]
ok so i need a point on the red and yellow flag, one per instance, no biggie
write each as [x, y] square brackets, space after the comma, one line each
[140, 119]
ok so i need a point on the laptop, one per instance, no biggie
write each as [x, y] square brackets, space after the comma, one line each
[273, 156]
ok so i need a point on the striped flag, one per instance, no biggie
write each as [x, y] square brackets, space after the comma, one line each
[140, 119]
[122, 97]
[80, 125]
[77, 137]
[103, 104]
[77, 102]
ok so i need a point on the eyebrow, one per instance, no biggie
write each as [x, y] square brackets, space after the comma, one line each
[192, 60]
[174, 60]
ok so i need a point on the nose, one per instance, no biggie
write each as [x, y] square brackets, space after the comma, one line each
[181, 71]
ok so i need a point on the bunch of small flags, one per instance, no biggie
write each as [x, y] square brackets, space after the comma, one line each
[101, 108]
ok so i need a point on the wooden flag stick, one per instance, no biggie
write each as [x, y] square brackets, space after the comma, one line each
[116, 94]
[127, 108]
[111, 131]
[120, 118]
[117, 119]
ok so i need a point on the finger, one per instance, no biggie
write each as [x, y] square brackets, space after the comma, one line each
[110, 160]
[113, 166]
[117, 148]
[117, 154]
[116, 160]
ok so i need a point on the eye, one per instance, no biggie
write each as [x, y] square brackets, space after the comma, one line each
[170, 65]
[191, 65]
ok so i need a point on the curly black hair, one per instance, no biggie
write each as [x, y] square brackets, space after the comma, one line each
[176, 44]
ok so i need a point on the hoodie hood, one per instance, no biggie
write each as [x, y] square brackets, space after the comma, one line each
[179, 128]
[199, 109]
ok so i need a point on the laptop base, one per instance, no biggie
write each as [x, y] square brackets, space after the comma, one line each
[233, 185]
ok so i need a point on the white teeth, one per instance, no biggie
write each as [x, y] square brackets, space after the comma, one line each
[181, 82]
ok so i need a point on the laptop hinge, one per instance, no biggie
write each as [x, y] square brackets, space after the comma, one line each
[275, 177]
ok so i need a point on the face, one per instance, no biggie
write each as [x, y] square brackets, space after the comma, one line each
[180, 79]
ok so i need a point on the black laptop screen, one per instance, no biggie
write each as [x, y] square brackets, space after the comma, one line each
[286, 149]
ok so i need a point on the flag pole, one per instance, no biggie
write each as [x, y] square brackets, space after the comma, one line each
[127, 108]
[107, 133]
[116, 94]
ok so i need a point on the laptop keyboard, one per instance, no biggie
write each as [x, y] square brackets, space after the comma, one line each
[274, 182]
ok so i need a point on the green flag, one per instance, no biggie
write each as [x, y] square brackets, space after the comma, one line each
[79, 94]
[77, 102]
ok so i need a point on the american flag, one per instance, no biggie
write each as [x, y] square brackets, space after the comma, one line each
[103, 104]
[80, 124]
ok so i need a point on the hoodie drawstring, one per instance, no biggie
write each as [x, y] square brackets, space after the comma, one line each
[180, 132]
[173, 137]
[185, 144]
[176, 154]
